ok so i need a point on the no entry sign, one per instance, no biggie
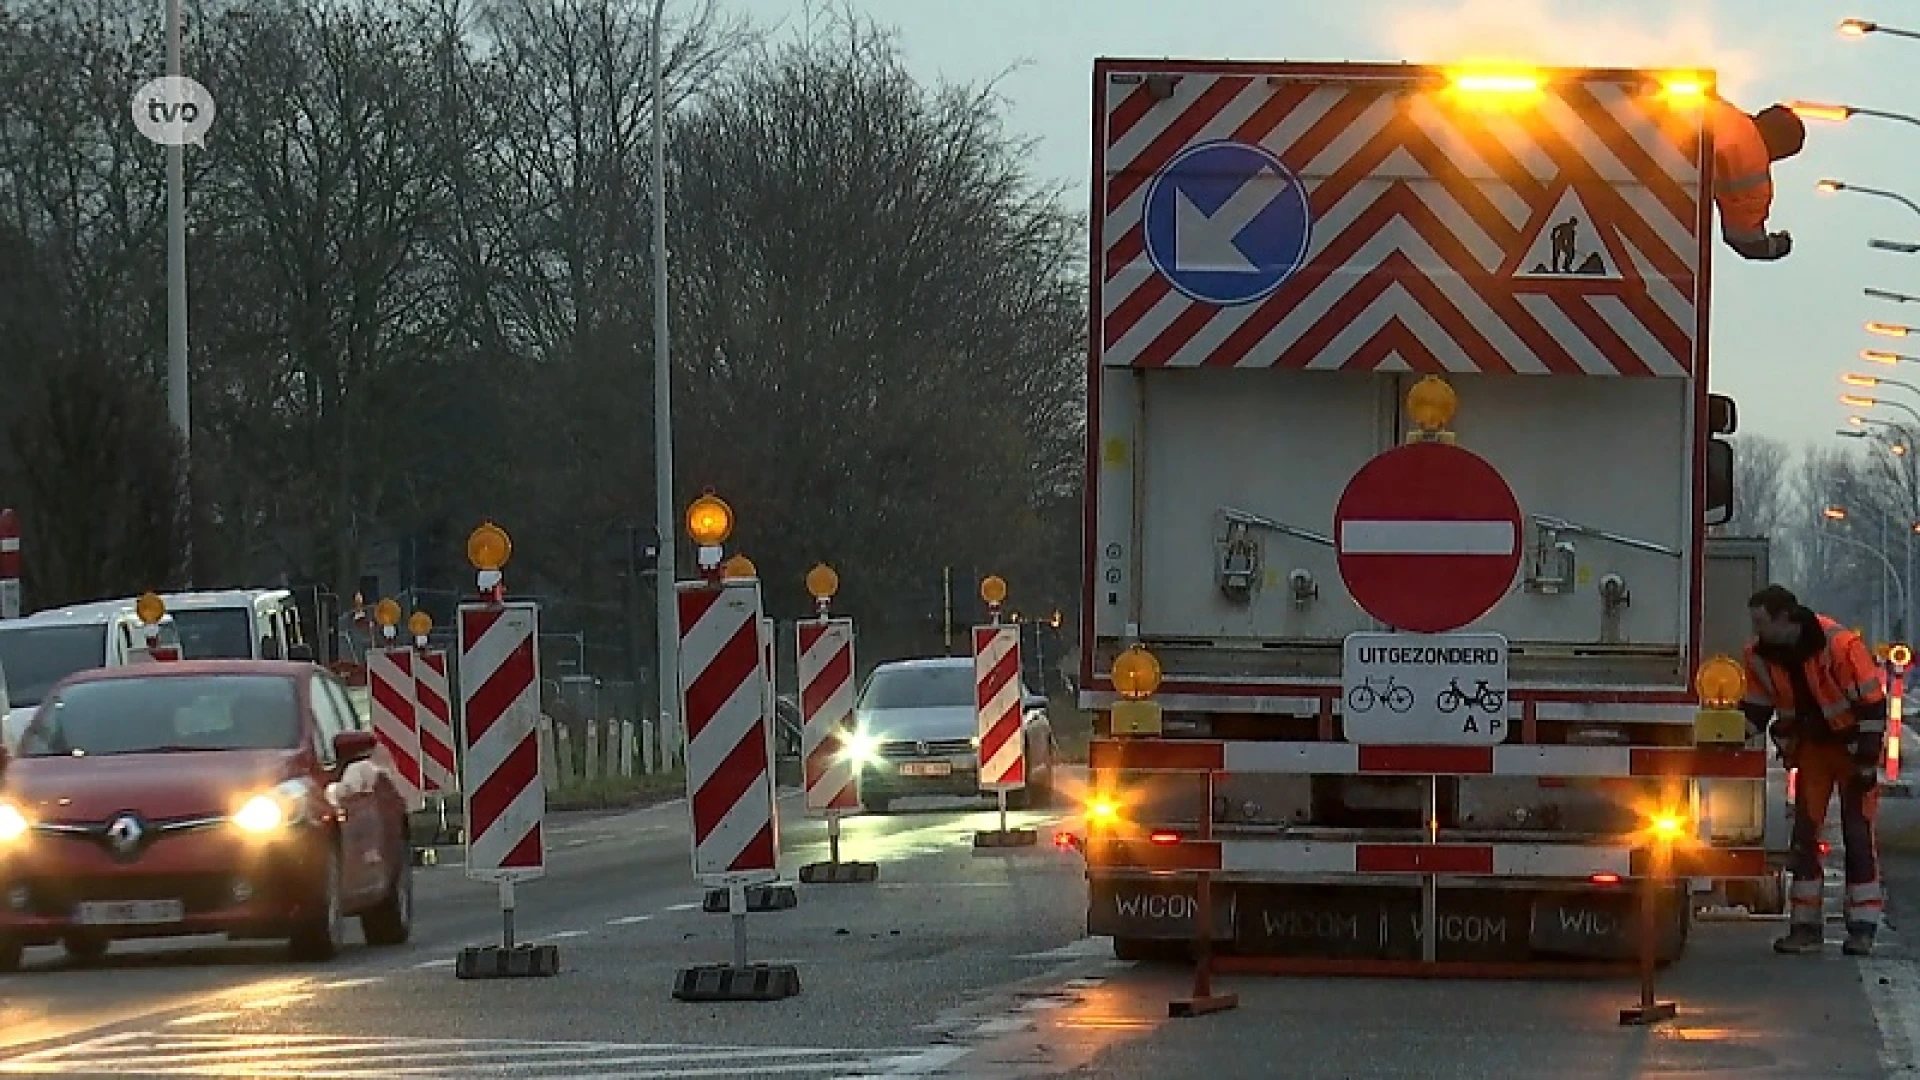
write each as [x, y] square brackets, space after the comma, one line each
[1428, 537]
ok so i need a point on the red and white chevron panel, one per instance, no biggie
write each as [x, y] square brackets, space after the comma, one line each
[736, 832]
[439, 771]
[1167, 851]
[1431, 222]
[1002, 713]
[506, 797]
[1348, 759]
[827, 694]
[390, 686]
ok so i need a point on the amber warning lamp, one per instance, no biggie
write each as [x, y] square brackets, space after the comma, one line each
[993, 589]
[709, 524]
[1430, 406]
[822, 583]
[420, 624]
[488, 549]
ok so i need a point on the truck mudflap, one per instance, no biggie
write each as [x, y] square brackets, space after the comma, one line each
[1386, 923]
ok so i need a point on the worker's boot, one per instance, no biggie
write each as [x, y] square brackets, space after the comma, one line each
[1800, 939]
[1859, 941]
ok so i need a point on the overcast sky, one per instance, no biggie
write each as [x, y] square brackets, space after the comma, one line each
[1783, 333]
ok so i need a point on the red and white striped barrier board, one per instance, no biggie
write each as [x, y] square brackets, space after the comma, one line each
[395, 719]
[1386, 225]
[500, 741]
[825, 661]
[736, 832]
[439, 772]
[997, 701]
[9, 565]
[769, 691]
[1348, 759]
[1165, 852]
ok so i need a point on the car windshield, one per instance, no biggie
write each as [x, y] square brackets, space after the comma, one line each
[165, 713]
[215, 634]
[34, 658]
[921, 687]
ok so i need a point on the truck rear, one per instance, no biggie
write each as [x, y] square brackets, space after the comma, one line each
[1401, 458]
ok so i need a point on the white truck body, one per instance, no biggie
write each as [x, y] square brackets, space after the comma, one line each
[1281, 252]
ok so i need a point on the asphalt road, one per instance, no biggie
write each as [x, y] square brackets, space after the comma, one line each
[955, 963]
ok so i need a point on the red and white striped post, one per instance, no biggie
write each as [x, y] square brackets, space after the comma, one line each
[390, 687]
[9, 564]
[1001, 710]
[824, 664]
[1900, 656]
[506, 797]
[730, 785]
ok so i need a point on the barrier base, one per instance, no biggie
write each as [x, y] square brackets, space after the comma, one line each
[1201, 1006]
[1642, 1015]
[1005, 838]
[519, 962]
[724, 982]
[839, 873]
[776, 897]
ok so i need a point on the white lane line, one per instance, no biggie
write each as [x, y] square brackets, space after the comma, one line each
[563, 935]
[629, 920]
[695, 906]
[203, 1018]
[433, 964]
[346, 984]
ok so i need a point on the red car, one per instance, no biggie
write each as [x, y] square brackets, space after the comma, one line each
[240, 797]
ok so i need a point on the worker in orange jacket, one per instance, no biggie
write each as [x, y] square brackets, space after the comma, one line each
[1744, 150]
[1828, 703]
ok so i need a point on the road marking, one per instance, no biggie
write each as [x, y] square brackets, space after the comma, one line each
[1085, 948]
[374, 1058]
[563, 935]
[629, 920]
[684, 907]
[277, 1001]
[203, 1018]
[433, 964]
[347, 984]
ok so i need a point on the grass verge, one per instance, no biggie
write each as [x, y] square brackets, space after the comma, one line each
[619, 792]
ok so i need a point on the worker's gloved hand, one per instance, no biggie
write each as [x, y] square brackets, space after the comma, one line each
[1773, 246]
[1865, 749]
[1785, 742]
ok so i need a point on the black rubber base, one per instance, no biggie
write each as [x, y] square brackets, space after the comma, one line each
[1642, 1015]
[724, 982]
[775, 897]
[519, 962]
[846, 873]
[1201, 1006]
[994, 838]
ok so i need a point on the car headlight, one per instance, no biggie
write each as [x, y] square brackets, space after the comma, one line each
[13, 823]
[861, 749]
[274, 810]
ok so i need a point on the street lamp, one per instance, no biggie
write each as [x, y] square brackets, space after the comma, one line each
[1886, 294]
[1887, 329]
[1816, 110]
[1862, 27]
[1894, 448]
[1828, 187]
[1837, 513]
[1904, 247]
[1861, 401]
[1888, 359]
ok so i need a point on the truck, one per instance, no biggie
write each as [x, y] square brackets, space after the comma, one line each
[1401, 462]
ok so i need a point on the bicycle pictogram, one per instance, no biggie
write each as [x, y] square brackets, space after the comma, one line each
[1483, 698]
[1368, 694]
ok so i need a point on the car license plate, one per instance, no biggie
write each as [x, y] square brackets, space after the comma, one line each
[926, 768]
[131, 913]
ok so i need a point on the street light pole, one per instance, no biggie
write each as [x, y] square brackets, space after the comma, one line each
[178, 407]
[665, 579]
[1899, 583]
[1830, 186]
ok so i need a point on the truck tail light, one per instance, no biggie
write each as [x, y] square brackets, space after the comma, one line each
[1165, 838]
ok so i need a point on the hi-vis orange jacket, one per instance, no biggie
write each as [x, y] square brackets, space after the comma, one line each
[1842, 677]
[1742, 173]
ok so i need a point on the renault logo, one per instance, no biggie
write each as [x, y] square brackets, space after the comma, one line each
[125, 833]
[923, 748]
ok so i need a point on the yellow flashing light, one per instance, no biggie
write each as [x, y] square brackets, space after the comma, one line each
[1136, 674]
[387, 612]
[1685, 89]
[1102, 813]
[489, 547]
[739, 568]
[709, 520]
[150, 608]
[1667, 826]
[1431, 403]
[993, 589]
[420, 624]
[1720, 683]
[1496, 82]
[822, 582]
[1901, 655]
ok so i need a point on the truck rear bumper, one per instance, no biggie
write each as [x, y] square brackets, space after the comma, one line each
[1476, 920]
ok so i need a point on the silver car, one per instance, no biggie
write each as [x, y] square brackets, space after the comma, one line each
[916, 732]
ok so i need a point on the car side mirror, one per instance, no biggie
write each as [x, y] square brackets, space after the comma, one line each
[301, 654]
[352, 746]
[1719, 503]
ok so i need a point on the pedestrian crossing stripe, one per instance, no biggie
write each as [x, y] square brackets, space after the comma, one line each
[341, 1057]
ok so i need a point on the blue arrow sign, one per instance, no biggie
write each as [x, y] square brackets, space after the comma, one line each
[1227, 223]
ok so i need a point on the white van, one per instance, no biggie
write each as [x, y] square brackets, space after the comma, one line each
[38, 651]
[238, 624]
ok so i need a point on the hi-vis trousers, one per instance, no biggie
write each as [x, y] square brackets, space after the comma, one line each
[1826, 768]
